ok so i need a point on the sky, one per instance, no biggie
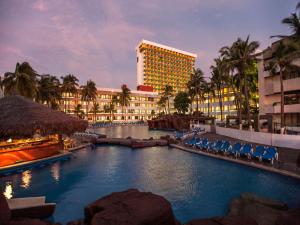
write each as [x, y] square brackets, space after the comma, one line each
[96, 39]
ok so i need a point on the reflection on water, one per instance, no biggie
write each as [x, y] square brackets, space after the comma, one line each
[55, 171]
[26, 179]
[132, 131]
[8, 191]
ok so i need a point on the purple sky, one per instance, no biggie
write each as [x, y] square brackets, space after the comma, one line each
[96, 39]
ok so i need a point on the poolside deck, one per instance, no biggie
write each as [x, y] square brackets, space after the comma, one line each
[287, 164]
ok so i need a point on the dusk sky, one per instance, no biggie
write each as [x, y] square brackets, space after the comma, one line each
[96, 39]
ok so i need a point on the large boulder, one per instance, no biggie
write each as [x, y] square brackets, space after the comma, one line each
[130, 207]
[227, 220]
[265, 211]
[27, 221]
[5, 213]
[290, 217]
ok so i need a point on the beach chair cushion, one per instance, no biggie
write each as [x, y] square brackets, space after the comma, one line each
[270, 153]
[225, 146]
[259, 151]
[246, 149]
[5, 213]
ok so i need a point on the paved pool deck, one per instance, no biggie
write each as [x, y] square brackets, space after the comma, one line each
[269, 168]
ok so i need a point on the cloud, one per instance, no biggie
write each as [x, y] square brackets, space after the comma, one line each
[40, 5]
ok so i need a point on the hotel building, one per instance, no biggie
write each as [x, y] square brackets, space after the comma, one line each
[269, 92]
[229, 108]
[142, 105]
[160, 65]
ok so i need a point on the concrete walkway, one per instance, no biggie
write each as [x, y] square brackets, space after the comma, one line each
[287, 156]
[235, 160]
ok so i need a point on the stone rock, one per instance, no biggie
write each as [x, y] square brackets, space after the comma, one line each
[76, 222]
[5, 213]
[290, 217]
[265, 201]
[264, 211]
[227, 220]
[27, 221]
[130, 207]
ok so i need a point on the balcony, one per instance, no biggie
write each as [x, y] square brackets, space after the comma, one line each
[288, 85]
[294, 108]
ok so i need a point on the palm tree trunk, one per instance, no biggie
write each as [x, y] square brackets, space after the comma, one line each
[197, 104]
[221, 104]
[247, 101]
[87, 110]
[169, 106]
[208, 107]
[282, 100]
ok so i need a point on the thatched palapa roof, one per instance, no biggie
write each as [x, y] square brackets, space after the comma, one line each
[20, 117]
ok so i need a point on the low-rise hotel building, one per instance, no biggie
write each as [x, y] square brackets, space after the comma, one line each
[210, 106]
[160, 65]
[143, 105]
[270, 94]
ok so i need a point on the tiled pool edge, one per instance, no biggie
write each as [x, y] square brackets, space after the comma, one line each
[250, 164]
[29, 164]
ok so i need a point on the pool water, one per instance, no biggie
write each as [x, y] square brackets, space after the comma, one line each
[197, 186]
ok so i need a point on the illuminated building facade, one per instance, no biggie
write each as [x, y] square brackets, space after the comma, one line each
[142, 105]
[210, 106]
[160, 65]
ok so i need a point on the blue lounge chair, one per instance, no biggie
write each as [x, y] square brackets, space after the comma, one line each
[270, 154]
[191, 142]
[198, 143]
[246, 150]
[211, 146]
[259, 151]
[178, 135]
[217, 146]
[235, 149]
[206, 145]
[202, 143]
[225, 147]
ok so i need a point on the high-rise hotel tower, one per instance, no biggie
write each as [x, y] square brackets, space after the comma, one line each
[160, 65]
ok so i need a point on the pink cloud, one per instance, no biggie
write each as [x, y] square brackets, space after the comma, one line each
[40, 5]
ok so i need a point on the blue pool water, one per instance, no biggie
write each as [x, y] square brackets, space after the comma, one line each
[197, 186]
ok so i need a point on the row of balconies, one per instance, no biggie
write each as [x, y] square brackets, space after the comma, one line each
[274, 109]
[288, 85]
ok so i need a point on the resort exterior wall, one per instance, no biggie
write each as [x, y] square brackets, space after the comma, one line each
[278, 140]
[142, 105]
[269, 92]
[160, 65]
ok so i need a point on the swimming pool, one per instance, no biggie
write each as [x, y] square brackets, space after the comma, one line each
[197, 186]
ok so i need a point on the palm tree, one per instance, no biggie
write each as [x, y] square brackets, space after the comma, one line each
[78, 111]
[168, 93]
[209, 90]
[124, 98]
[95, 109]
[88, 94]
[162, 103]
[195, 86]
[21, 82]
[241, 55]
[218, 80]
[281, 61]
[48, 90]
[294, 23]
[69, 86]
